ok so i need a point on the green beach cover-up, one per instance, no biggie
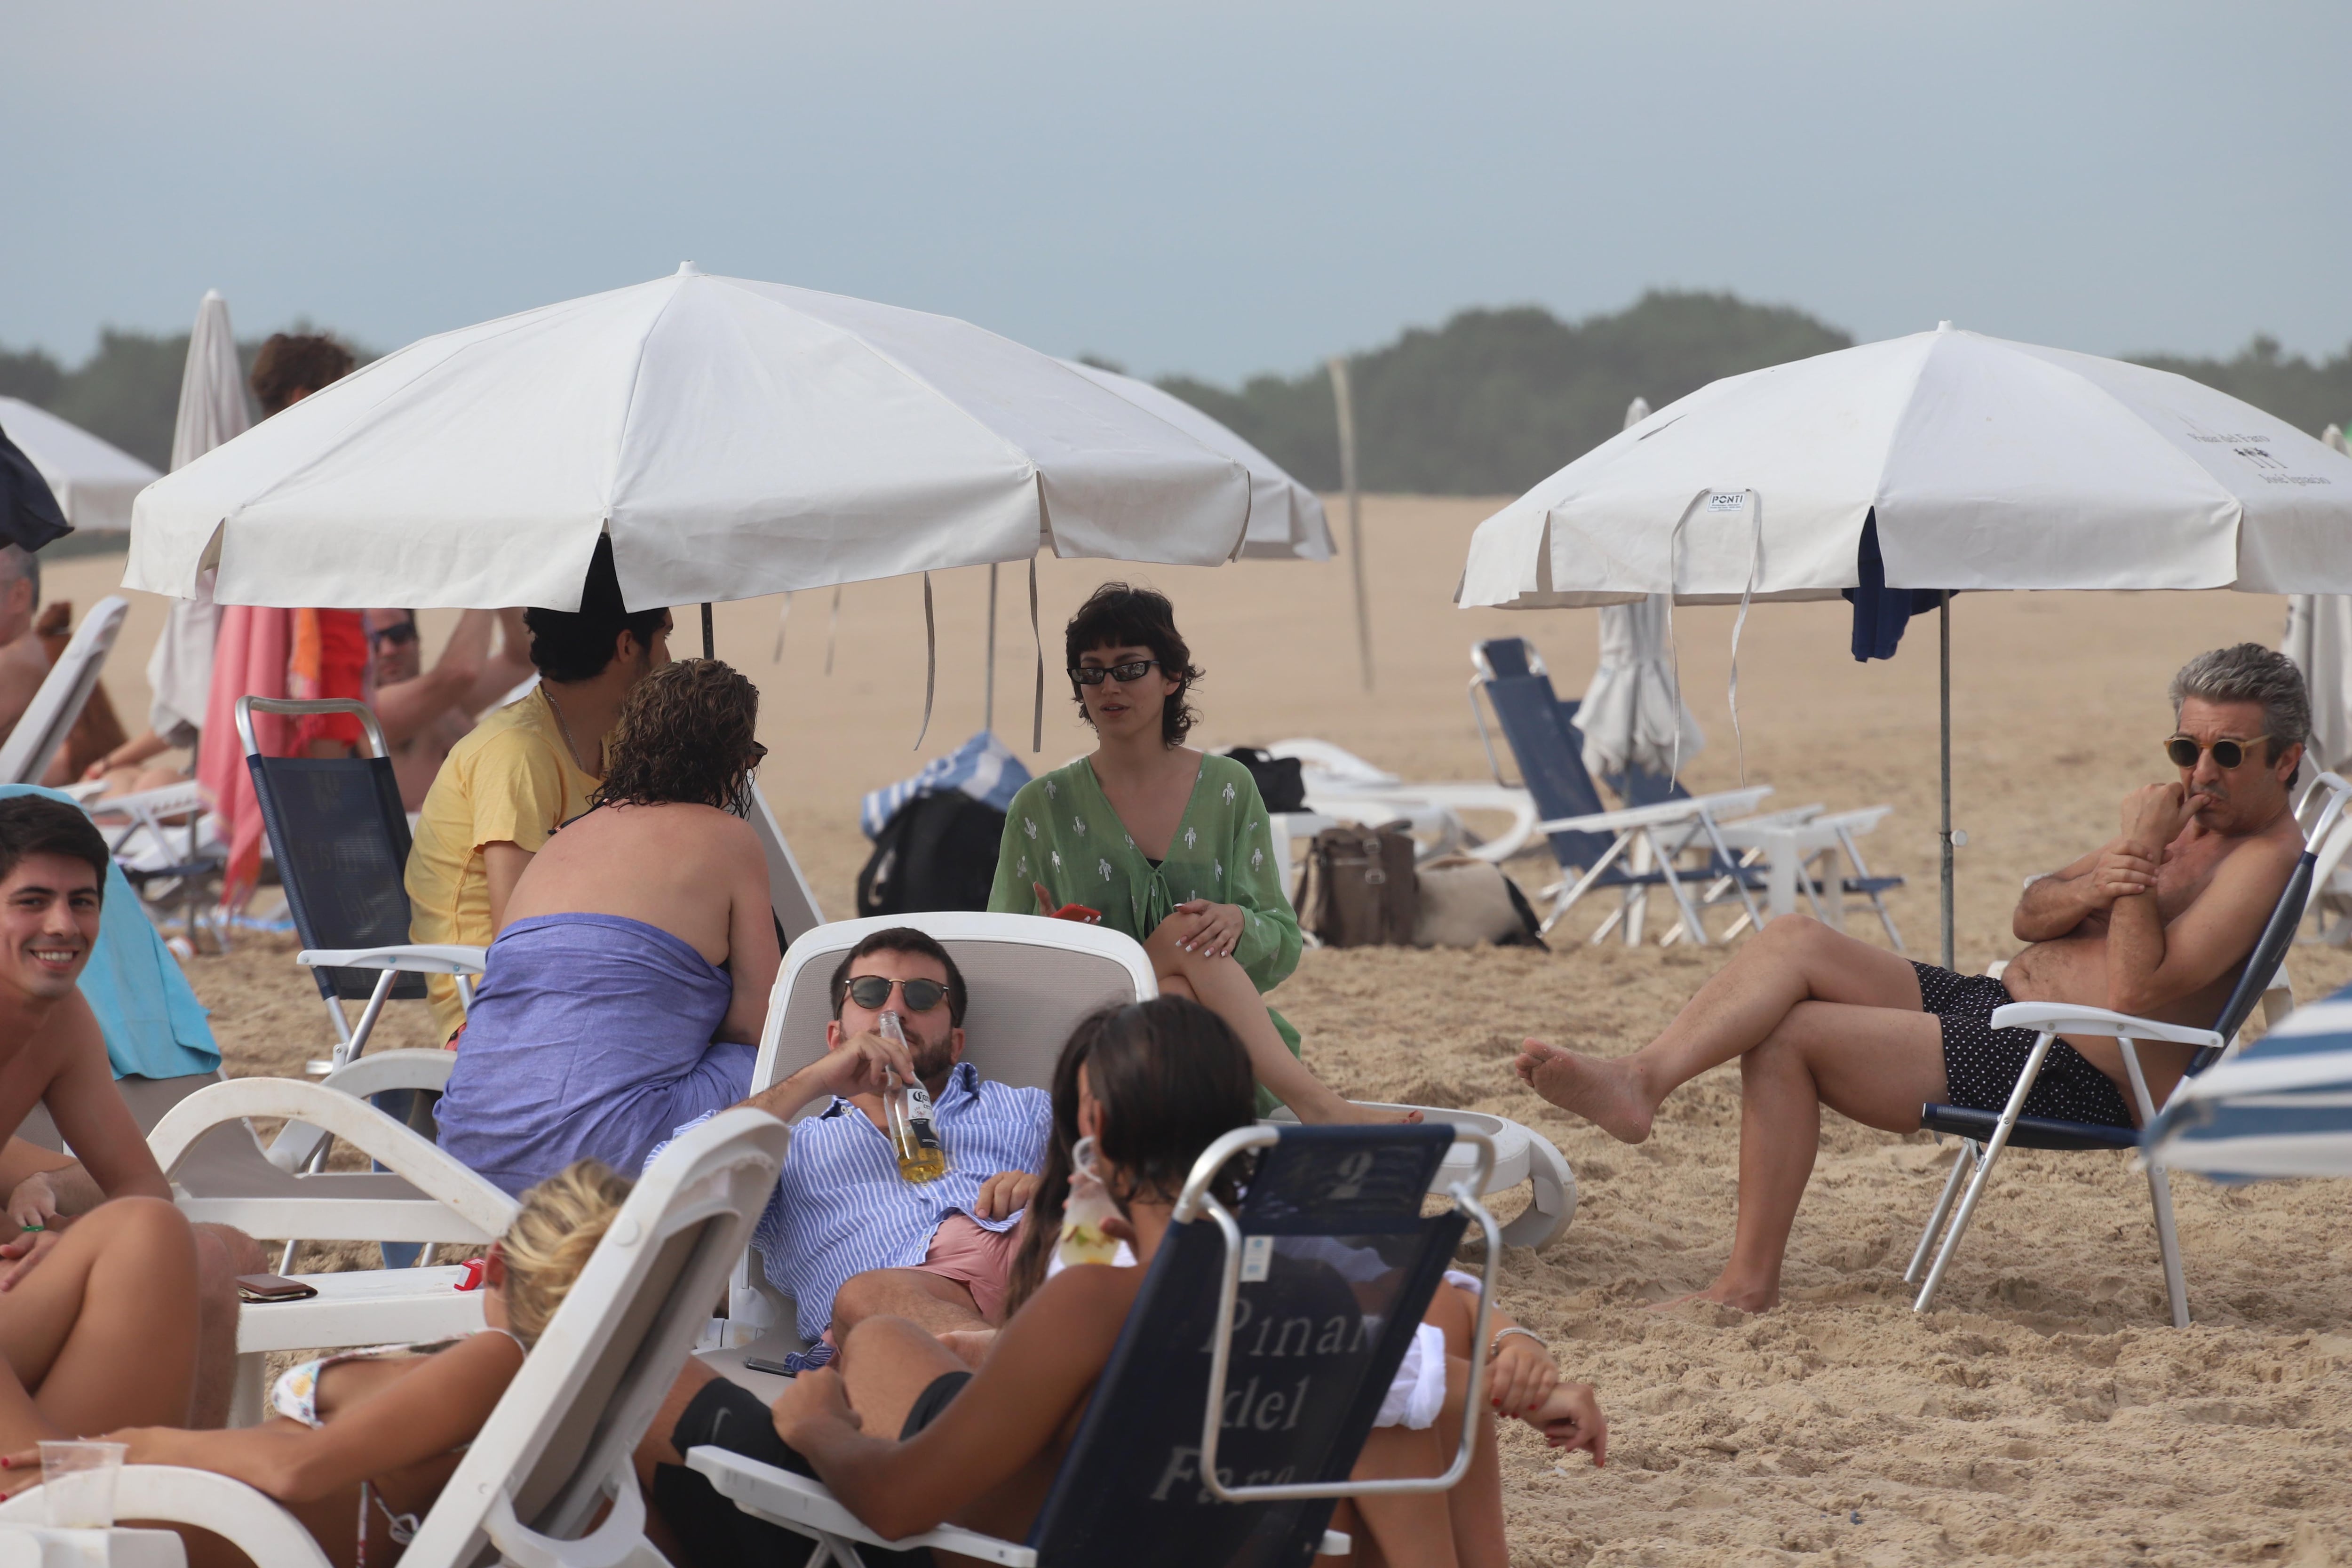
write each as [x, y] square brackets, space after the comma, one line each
[1061, 831]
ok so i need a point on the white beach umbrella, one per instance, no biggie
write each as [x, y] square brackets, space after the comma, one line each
[1286, 521]
[93, 480]
[1978, 463]
[735, 438]
[212, 410]
[1632, 713]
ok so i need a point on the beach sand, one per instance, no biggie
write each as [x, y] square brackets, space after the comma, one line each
[2044, 1412]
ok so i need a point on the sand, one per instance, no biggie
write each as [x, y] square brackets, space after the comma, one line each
[2044, 1412]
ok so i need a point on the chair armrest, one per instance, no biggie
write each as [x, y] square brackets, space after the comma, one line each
[425, 1167]
[2067, 1018]
[416, 958]
[362, 1078]
[250, 1521]
[1552, 1201]
[783, 1497]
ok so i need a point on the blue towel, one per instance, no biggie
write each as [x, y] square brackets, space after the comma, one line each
[982, 767]
[153, 1025]
[1880, 613]
[589, 1039]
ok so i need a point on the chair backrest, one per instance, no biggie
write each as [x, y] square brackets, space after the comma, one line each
[1337, 1265]
[1030, 980]
[560, 1441]
[63, 692]
[340, 839]
[1545, 744]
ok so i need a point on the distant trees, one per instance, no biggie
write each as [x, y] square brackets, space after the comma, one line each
[1485, 405]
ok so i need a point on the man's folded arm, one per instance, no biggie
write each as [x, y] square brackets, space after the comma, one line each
[2053, 906]
[2151, 965]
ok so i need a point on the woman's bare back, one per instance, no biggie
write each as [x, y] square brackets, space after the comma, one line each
[687, 870]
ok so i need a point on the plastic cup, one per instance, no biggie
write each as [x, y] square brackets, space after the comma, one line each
[77, 1483]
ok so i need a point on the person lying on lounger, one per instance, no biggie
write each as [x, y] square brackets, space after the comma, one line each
[847, 1236]
[358, 1444]
[113, 1307]
[2158, 922]
[627, 988]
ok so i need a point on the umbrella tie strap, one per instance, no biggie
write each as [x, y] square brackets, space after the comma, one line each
[1037, 703]
[930, 662]
[1746, 594]
[832, 628]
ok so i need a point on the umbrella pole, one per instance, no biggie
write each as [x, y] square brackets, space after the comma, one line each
[988, 705]
[1944, 635]
[710, 642]
[1344, 404]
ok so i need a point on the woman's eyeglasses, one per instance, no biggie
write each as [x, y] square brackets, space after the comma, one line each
[2184, 750]
[871, 990]
[1095, 674]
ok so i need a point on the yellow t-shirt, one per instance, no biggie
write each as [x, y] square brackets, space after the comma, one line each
[512, 779]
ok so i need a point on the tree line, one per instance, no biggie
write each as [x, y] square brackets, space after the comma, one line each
[1485, 405]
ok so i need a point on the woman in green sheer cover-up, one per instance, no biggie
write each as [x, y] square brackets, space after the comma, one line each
[1170, 845]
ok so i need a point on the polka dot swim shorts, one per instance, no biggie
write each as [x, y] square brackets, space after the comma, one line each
[1981, 1063]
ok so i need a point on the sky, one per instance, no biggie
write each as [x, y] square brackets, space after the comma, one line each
[1207, 187]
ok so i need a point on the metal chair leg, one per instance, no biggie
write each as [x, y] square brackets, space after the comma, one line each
[1967, 1159]
[2000, 1140]
[2168, 1246]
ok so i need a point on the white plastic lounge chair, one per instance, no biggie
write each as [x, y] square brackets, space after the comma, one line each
[1158, 1475]
[558, 1447]
[1341, 785]
[1031, 980]
[57, 706]
[220, 1173]
[38, 1546]
[1984, 1135]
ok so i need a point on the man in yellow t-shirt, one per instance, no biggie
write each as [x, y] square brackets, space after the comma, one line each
[526, 770]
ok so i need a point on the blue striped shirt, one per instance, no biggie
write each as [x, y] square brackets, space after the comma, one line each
[841, 1207]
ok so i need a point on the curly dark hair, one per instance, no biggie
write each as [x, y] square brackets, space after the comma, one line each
[685, 735]
[292, 363]
[1118, 614]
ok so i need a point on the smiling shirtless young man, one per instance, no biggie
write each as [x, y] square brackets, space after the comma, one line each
[2156, 923]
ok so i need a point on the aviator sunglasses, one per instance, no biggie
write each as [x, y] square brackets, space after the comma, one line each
[2183, 750]
[1093, 674]
[871, 990]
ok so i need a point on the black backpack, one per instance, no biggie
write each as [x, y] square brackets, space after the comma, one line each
[1278, 782]
[937, 852]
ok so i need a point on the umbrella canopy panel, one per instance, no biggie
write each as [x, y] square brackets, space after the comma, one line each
[1989, 464]
[736, 438]
[94, 482]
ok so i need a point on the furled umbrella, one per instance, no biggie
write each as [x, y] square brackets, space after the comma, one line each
[1941, 461]
[2319, 640]
[212, 410]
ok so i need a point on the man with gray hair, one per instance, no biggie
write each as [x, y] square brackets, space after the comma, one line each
[2157, 922]
[24, 663]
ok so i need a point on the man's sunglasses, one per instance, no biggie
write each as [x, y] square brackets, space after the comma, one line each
[1094, 674]
[871, 990]
[2184, 750]
[396, 634]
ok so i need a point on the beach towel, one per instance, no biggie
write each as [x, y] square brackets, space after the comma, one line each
[589, 1038]
[983, 768]
[248, 660]
[153, 1025]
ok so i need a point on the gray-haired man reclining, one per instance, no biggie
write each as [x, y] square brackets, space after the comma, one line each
[2158, 922]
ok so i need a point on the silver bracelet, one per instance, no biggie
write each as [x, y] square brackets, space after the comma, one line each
[1495, 1345]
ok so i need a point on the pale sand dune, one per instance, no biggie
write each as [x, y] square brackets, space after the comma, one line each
[2044, 1412]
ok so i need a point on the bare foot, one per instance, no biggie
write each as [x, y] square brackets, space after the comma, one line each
[1605, 1093]
[1727, 1292]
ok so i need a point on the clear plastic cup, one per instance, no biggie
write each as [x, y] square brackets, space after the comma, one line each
[77, 1483]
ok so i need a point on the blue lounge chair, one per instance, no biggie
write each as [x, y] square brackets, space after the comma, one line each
[1984, 1134]
[1247, 1376]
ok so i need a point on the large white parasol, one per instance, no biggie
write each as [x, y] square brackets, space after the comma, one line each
[93, 480]
[735, 438]
[1979, 463]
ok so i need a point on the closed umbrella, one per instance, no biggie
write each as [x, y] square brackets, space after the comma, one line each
[212, 410]
[93, 481]
[1941, 461]
[1633, 715]
[2319, 640]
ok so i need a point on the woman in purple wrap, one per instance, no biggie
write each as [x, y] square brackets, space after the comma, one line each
[624, 994]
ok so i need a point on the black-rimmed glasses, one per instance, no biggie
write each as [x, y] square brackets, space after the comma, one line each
[1096, 674]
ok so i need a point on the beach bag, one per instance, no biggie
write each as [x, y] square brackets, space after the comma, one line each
[937, 852]
[1358, 888]
[1466, 902]
[1279, 784]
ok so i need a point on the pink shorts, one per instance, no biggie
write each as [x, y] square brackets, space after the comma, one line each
[978, 1259]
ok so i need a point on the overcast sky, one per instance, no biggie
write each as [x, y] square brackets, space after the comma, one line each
[1203, 186]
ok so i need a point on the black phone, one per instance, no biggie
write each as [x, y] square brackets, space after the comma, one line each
[774, 1368]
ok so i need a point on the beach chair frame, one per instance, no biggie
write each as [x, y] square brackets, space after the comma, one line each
[560, 1443]
[1983, 1136]
[1071, 1527]
[57, 702]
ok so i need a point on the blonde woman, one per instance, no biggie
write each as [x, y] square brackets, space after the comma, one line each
[362, 1442]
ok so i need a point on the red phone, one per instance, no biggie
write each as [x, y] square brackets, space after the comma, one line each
[1078, 913]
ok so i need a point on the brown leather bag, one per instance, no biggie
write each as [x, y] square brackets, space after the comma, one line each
[1358, 888]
